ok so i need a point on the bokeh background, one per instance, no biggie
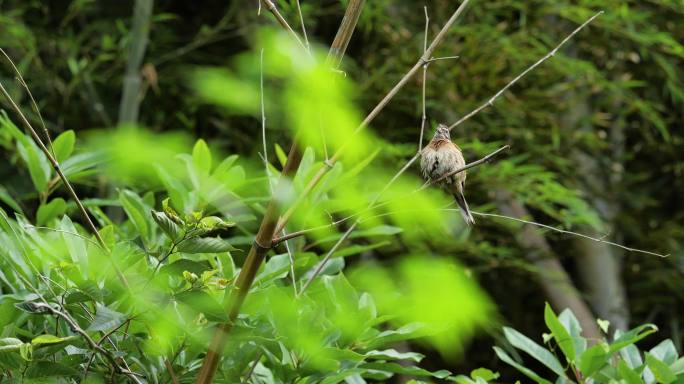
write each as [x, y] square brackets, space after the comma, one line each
[595, 132]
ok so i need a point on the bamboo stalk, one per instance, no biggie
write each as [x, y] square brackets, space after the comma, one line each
[130, 97]
[267, 229]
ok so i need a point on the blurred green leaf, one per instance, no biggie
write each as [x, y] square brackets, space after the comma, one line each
[50, 211]
[63, 145]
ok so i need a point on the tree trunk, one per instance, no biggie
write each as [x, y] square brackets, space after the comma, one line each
[555, 281]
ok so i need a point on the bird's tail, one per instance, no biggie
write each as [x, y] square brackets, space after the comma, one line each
[465, 211]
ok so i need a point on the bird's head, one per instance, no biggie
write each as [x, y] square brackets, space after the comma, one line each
[442, 133]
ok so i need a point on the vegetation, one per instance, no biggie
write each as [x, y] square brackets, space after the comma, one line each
[209, 193]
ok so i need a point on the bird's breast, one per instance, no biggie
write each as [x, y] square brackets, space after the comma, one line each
[441, 158]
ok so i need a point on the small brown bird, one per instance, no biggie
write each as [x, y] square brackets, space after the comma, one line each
[440, 157]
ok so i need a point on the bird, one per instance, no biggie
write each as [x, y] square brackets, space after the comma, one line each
[441, 157]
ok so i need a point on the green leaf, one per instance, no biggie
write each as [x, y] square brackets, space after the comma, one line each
[9, 353]
[63, 145]
[678, 366]
[76, 245]
[44, 368]
[135, 209]
[205, 245]
[6, 198]
[572, 325]
[538, 352]
[38, 165]
[166, 224]
[562, 336]
[525, 371]
[406, 370]
[660, 370]
[105, 319]
[179, 266]
[665, 352]
[201, 157]
[594, 359]
[51, 210]
[280, 154]
[203, 302]
[45, 340]
[627, 374]
[603, 324]
[484, 374]
[632, 336]
[391, 354]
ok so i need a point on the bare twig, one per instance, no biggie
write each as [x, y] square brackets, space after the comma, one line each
[596, 239]
[423, 119]
[443, 58]
[491, 100]
[67, 232]
[301, 21]
[278, 240]
[328, 255]
[281, 20]
[20, 78]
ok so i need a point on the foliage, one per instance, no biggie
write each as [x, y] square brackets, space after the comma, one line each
[573, 359]
[177, 214]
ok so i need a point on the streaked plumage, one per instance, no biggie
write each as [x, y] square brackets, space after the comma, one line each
[440, 157]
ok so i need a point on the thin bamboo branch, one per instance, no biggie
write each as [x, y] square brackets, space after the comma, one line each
[345, 32]
[423, 119]
[301, 21]
[328, 255]
[576, 234]
[374, 113]
[490, 102]
[281, 20]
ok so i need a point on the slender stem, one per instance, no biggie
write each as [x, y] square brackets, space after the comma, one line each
[596, 239]
[328, 255]
[345, 32]
[491, 100]
[278, 240]
[281, 20]
[301, 21]
[423, 119]
[443, 58]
